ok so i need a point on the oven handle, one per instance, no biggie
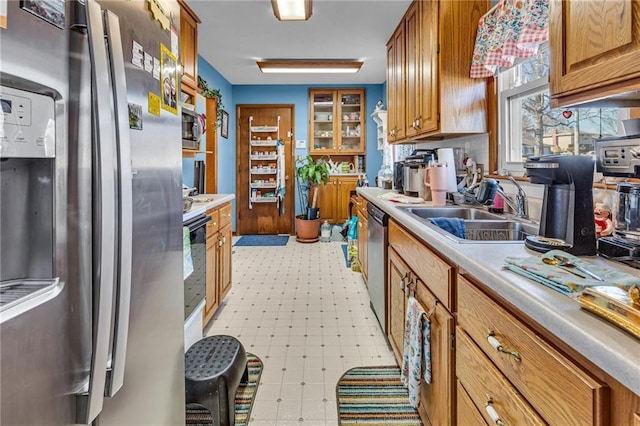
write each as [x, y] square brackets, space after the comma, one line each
[197, 222]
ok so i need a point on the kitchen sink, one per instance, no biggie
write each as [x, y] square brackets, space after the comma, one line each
[467, 213]
[480, 226]
[494, 230]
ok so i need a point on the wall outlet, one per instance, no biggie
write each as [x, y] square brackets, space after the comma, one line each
[301, 144]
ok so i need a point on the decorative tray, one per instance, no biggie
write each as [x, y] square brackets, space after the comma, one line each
[615, 305]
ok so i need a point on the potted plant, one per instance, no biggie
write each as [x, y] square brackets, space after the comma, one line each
[311, 174]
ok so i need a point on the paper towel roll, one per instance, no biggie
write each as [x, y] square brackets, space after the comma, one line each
[445, 155]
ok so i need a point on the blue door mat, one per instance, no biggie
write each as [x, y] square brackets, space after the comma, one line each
[262, 240]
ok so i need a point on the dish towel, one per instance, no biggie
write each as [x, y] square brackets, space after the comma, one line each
[416, 359]
[453, 225]
[187, 261]
[563, 281]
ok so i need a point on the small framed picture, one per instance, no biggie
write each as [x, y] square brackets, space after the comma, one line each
[135, 116]
[168, 80]
[224, 128]
[52, 11]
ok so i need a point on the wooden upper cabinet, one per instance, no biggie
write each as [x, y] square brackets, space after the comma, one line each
[337, 121]
[396, 86]
[189, 48]
[595, 49]
[412, 57]
[429, 92]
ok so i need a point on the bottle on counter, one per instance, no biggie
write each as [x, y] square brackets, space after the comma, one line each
[325, 232]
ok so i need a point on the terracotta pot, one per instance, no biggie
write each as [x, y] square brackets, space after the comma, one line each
[307, 231]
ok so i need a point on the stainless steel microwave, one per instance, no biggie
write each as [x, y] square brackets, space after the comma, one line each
[191, 129]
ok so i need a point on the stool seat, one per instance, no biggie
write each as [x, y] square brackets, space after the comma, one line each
[214, 367]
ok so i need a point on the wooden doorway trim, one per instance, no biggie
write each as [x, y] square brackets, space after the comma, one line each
[287, 225]
[211, 156]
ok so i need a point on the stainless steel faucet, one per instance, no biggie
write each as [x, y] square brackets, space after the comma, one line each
[520, 204]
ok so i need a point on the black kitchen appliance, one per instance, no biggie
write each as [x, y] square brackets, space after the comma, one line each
[620, 156]
[398, 176]
[566, 221]
[199, 173]
[413, 171]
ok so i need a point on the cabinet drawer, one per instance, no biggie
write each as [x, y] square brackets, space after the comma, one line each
[427, 265]
[467, 414]
[225, 215]
[483, 381]
[214, 223]
[559, 390]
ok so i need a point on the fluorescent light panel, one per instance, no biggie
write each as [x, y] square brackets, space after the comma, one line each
[309, 67]
[291, 10]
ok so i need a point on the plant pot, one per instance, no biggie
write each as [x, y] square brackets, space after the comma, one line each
[307, 231]
[313, 213]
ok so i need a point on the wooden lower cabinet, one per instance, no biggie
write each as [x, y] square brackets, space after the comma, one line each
[398, 273]
[219, 242]
[531, 379]
[437, 398]
[212, 298]
[489, 390]
[334, 198]
[559, 390]
[466, 413]
[224, 259]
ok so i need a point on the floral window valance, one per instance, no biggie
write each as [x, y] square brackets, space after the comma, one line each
[512, 29]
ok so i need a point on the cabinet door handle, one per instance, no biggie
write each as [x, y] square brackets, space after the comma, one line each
[495, 344]
[417, 122]
[402, 281]
[488, 407]
[224, 240]
[219, 242]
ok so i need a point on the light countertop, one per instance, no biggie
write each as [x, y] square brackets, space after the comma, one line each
[613, 350]
[204, 202]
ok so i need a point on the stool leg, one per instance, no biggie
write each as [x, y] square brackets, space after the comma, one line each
[212, 403]
[245, 375]
[227, 413]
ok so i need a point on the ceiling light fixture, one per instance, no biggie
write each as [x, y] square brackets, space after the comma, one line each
[309, 66]
[291, 10]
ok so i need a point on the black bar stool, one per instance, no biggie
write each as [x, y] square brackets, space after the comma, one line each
[214, 367]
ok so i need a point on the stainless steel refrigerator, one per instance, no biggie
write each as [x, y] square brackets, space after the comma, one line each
[91, 288]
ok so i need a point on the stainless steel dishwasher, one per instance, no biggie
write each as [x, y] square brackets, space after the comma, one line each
[377, 262]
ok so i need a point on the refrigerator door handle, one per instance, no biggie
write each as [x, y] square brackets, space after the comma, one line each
[90, 402]
[115, 376]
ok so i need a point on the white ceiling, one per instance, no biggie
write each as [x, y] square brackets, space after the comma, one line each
[235, 33]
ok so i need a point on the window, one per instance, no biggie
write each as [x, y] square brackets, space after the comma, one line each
[530, 127]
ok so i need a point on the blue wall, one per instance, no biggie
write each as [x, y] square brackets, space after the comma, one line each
[298, 95]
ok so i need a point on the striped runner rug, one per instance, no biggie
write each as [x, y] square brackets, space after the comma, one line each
[245, 396]
[374, 396]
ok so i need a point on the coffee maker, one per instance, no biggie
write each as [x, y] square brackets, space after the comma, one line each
[566, 222]
[413, 171]
[620, 157]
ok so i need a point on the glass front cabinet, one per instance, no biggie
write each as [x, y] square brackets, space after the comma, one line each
[337, 121]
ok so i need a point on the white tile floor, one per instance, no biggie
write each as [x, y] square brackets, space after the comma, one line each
[307, 316]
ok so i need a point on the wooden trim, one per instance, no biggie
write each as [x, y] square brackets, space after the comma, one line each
[190, 11]
[211, 157]
[492, 123]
